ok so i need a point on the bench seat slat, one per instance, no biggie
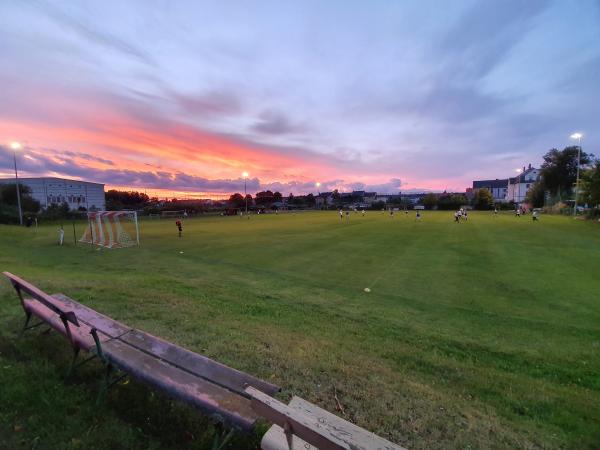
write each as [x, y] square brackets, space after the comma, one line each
[91, 317]
[81, 335]
[199, 365]
[316, 426]
[214, 400]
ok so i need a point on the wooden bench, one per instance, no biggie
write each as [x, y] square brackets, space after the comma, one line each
[214, 388]
[229, 396]
[304, 426]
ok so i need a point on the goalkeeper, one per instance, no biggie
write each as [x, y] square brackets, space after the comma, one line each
[179, 227]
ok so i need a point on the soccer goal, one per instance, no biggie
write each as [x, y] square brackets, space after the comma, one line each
[112, 229]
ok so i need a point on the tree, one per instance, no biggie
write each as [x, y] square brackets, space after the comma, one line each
[264, 198]
[483, 199]
[430, 201]
[451, 202]
[310, 200]
[277, 197]
[536, 194]
[237, 200]
[591, 185]
[117, 200]
[336, 196]
[559, 170]
[8, 196]
[57, 211]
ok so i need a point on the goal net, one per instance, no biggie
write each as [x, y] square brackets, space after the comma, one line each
[112, 229]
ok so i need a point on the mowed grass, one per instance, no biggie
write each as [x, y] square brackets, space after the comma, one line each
[484, 334]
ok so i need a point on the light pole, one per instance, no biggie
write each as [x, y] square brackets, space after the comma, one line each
[16, 146]
[317, 185]
[577, 136]
[245, 175]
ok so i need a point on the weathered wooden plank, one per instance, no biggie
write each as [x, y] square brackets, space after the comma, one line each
[316, 426]
[22, 285]
[81, 335]
[221, 404]
[275, 439]
[196, 364]
[92, 317]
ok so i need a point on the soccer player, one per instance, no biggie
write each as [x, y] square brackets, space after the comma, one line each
[518, 212]
[347, 215]
[61, 235]
[465, 214]
[341, 214]
[495, 211]
[363, 213]
[534, 216]
[179, 227]
[392, 213]
[456, 217]
[418, 216]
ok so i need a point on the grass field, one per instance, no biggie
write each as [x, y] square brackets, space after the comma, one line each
[483, 334]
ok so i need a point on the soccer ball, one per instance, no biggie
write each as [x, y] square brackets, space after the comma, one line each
[367, 290]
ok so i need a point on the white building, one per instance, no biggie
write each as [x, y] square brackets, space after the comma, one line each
[519, 185]
[498, 188]
[49, 191]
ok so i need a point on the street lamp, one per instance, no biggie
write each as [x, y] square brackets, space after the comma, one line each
[245, 175]
[577, 136]
[16, 146]
[518, 186]
[318, 185]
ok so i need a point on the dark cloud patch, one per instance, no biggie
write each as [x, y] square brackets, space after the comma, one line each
[391, 187]
[210, 103]
[65, 154]
[275, 122]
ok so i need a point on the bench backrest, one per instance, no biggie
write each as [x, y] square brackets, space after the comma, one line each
[21, 286]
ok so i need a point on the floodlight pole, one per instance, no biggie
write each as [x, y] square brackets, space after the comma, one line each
[17, 185]
[245, 195]
[577, 180]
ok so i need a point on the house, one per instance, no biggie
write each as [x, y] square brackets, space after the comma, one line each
[498, 188]
[520, 185]
[324, 199]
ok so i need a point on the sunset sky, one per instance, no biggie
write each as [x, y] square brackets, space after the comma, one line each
[383, 95]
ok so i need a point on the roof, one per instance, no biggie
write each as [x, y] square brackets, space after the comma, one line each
[490, 183]
[521, 177]
[11, 180]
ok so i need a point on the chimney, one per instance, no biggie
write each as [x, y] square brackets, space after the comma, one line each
[530, 165]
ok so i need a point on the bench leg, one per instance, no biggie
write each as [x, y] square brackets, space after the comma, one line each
[107, 382]
[27, 319]
[105, 385]
[72, 366]
[222, 437]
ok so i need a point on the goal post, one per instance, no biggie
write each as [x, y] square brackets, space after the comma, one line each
[112, 229]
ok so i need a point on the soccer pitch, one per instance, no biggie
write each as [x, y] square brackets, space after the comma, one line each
[483, 334]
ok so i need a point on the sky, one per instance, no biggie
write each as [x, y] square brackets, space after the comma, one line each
[185, 96]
